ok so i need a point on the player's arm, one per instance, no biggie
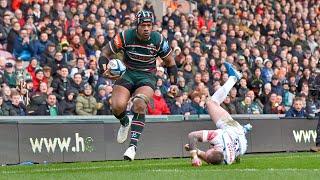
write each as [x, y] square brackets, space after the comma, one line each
[171, 68]
[109, 51]
[194, 137]
[165, 53]
[201, 154]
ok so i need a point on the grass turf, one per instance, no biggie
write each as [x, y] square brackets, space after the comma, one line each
[255, 166]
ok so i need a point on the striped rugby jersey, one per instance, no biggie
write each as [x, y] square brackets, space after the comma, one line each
[138, 54]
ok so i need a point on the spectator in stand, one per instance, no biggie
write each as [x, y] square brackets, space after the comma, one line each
[267, 71]
[5, 29]
[78, 49]
[6, 94]
[21, 72]
[31, 68]
[48, 56]
[276, 86]
[61, 84]
[257, 106]
[272, 106]
[306, 78]
[246, 107]
[288, 96]
[38, 98]
[2, 105]
[22, 47]
[243, 89]
[47, 74]
[233, 96]
[182, 105]
[170, 97]
[297, 109]
[77, 83]
[158, 105]
[198, 104]
[103, 100]
[264, 98]
[228, 106]
[281, 108]
[86, 104]
[39, 78]
[56, 64]
[40, 45]
[9, 75]
[182, 85]
[16, 108]
[12, 36]
[50, 108]
[81, 68]
[68, 104]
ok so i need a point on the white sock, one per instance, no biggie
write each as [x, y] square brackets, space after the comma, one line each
[223, 91]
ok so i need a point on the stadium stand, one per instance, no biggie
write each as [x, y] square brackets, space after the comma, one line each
[54, 47]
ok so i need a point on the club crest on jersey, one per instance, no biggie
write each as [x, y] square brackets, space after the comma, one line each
[152, 47]
[134, 135]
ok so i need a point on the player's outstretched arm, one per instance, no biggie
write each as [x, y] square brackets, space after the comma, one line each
[195, 137]
[171, 67]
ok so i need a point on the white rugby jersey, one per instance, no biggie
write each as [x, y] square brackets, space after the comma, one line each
[230, 142]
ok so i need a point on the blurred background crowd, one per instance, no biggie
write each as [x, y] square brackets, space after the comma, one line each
[50, 55]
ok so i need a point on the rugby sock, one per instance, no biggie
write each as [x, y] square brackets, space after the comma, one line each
[223, 91]
[123, 118]
[137, 126]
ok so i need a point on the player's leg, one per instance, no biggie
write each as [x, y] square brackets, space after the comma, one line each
[216, 112]
[213, 104]
[140, 100]
[119, 100]
[220, 95]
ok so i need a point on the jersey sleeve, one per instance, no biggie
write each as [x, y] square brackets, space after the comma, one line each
[209, 135]
[117, 43]
[165, 49]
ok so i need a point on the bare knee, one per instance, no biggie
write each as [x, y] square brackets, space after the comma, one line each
[118, 107]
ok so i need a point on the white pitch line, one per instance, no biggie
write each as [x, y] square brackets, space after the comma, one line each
[48, 169]
[81, 168]
[233, 170]
[282, 157]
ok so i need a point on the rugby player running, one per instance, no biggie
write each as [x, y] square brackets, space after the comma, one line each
[141, 46]
[228, 141]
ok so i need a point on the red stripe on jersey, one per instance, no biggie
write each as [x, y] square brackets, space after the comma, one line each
[117, 41]
[211, 135]
[138, 124]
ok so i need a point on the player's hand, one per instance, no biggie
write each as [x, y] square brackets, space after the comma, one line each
[187, 147]
[196, 162]
[109, 75]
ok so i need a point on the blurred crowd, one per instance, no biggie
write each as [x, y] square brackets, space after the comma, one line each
[50, 55]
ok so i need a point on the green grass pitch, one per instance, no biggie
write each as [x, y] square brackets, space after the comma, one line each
[253, 166]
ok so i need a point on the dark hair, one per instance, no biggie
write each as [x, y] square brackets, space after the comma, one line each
[215, 157]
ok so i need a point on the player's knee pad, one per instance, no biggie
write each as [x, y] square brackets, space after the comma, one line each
[138, 107]
[142, 97]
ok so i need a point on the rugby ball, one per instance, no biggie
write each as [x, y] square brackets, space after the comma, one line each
[116, 67]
